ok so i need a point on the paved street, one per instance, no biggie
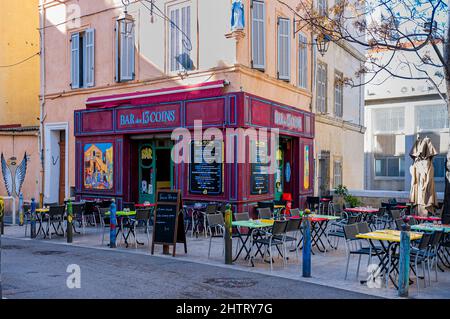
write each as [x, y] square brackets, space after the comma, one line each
[34, 269]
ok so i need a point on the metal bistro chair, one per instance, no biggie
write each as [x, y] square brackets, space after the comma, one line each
[26, 216]
[274, 237]
[293, 228]
[55, 215]
[142, 218]
[264, 213]
[312, 202]
[78, 215]
[354, 247]
[216, 229]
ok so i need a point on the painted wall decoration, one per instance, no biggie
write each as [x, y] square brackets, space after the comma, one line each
[98, 166]
[14, 174]
[306, 168]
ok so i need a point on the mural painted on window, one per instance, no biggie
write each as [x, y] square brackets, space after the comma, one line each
[98, 166]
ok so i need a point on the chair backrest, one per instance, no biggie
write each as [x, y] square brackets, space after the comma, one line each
[350, 231]
[352, 219]
[241, 216]
[436, 238]
[293, 225]
[399, 223]
[264, 213]
[215, 219]
[295, 212]
[279, 227]
[143, 214]
[337, 208]
[129, 206]
[395, 213]
[412, 221]
[363, 228]
[26, 208]
[312, 201]
[102, 211]
[269, 204]
[56, 210]
[381, 211]
[424, 241]
[211, 209]
[77, 209]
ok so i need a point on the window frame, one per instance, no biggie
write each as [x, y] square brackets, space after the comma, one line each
[374, 112]
[338, 163]
[386, 173]
[417, 111]
[256, 66]
[85, 66]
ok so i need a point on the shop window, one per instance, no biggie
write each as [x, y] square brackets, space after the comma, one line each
[125, 50]
[180, 38]
[302, 61]
[284, 49]
[258, 34]
[439, 166]
[82, 47]
[338, 94]
[98, 166]
[321, 97]
[432, 117]
[390, 167]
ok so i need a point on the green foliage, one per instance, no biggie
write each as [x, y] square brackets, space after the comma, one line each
[342, 190]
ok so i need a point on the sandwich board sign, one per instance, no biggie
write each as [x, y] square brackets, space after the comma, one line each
[168, 221]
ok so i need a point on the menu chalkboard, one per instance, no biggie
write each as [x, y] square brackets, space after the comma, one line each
[206, 169]
[259, 174]
[168, 226]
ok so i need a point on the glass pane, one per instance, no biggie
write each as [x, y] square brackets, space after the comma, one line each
[439, 166]
[393, 167]
[380, 167]
[402, 166]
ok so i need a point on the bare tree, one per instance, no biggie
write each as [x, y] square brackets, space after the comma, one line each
[412, 34]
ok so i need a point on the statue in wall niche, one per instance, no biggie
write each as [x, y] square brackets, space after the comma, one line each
[14, 174]
[237, 15]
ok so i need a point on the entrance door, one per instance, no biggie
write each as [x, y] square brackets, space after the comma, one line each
[146, 173]
[283, 175]
[279, 180]
[155, 169]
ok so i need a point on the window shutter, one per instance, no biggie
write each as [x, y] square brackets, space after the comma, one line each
[258, 35]
[75, 59]
[131, 51]
[89, 57]
[117, 56]
[302, 62]
[284, 49]
[186, 27]
[174, 39]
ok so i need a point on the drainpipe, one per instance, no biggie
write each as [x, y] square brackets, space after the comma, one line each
[42, 101]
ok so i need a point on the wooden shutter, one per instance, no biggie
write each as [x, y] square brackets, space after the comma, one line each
[75, 60]
[89, 57]
[174, 39]
[302, 61]
[284, 49]
[258, 35]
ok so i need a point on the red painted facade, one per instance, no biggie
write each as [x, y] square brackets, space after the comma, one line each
[115, 122]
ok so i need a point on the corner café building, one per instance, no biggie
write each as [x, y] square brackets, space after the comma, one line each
[123, 147]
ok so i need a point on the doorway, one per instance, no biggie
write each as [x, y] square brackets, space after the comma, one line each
[155, 168]
[283, 174]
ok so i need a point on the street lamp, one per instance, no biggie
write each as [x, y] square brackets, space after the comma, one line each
[323, 42]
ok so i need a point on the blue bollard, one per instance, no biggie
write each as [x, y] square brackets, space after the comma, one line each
[112, 225]
[306, 245]
[33, 218]
[403, 277]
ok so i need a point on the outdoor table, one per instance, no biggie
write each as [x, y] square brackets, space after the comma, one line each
[425, 219]
[319, 224]
[392, 238]
[39, 213]
[251, 225]
[122, 215]
[431, 227]
[364, 212]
